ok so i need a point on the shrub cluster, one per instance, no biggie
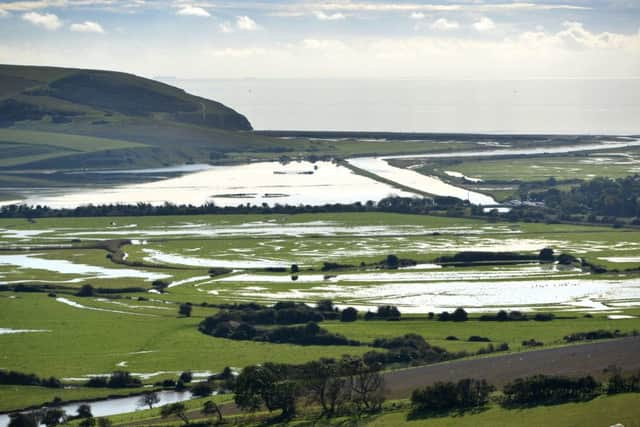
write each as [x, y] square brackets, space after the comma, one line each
[19, 378]
[549, 390]
[309, 334]
[599, 334]
[118, 379]
[447, 396]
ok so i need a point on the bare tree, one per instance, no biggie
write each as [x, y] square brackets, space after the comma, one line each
[210, 407]
[149, 399]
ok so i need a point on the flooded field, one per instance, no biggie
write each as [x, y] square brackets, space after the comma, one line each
[255, 183]
[142, 269]
[258, 251]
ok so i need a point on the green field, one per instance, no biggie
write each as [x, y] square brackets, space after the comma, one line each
[142, 333]
[603, 411]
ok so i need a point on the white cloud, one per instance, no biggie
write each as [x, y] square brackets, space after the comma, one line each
[238, 52]
[484, 24]
[23, 6]
[87, 27]
[48, 21]
[417, 15]
[245, 23]
[190, 10]
[443, 24]
[225, 27]
[576, 36]
[329, 17]
[359, 6]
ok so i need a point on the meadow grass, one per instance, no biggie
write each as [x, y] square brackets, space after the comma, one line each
[602, 411]
[83, 342]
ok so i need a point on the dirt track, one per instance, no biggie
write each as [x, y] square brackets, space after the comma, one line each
[580, 359]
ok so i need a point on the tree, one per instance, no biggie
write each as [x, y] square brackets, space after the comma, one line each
[324, 385]
[546, 254]
[210, 407]
[160, 285]
[149, 399]
[123, 379]
[325, 305]
[267, 385]
[366, 384]
[84, 411]
[349, 314]
[459, 315]
[24, 420]
[177, 409]
[201, 390]
[87, 422]
[86, 291]
[52, 417]
[185, 310]
[389, 312]
[392, 262]
[186, 377]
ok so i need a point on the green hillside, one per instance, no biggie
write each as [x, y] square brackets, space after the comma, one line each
[61, 95]
[61, 118]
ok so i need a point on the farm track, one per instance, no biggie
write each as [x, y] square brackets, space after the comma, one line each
[580, 359]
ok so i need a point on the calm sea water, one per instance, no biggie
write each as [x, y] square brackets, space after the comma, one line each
[527, 106]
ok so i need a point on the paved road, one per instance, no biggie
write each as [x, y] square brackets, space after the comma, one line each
[581, 359]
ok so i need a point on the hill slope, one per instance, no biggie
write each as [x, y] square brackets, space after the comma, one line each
[63, 94]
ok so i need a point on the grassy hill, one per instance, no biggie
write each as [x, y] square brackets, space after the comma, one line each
[62, 118]
[62, 94]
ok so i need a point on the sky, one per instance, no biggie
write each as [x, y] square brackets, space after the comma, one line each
[344, 39]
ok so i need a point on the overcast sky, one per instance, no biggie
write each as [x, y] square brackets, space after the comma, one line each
[467, 39]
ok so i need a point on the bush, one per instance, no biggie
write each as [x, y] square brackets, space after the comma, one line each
[620, 384]
[18, 378]
[544, 317]
[201, 390]
[86, 291]
[445, 396]
[118, 379]
[549, 390]
[349, 314]
[185, 310]
[459, 315]
[476, 338]
[385, 312]
[593, 335]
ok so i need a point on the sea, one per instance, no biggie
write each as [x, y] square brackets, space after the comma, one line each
[562, 106]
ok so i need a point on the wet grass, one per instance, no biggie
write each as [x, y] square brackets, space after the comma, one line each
[82, 342]
[551, 333]
[603, 411]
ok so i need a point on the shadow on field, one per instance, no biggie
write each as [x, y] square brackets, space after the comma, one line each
[421, 414]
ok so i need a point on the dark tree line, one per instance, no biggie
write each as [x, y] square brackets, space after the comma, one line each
[19, 378]
[118, 379]
[390, 204]
[447, 396]
[550, 390]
